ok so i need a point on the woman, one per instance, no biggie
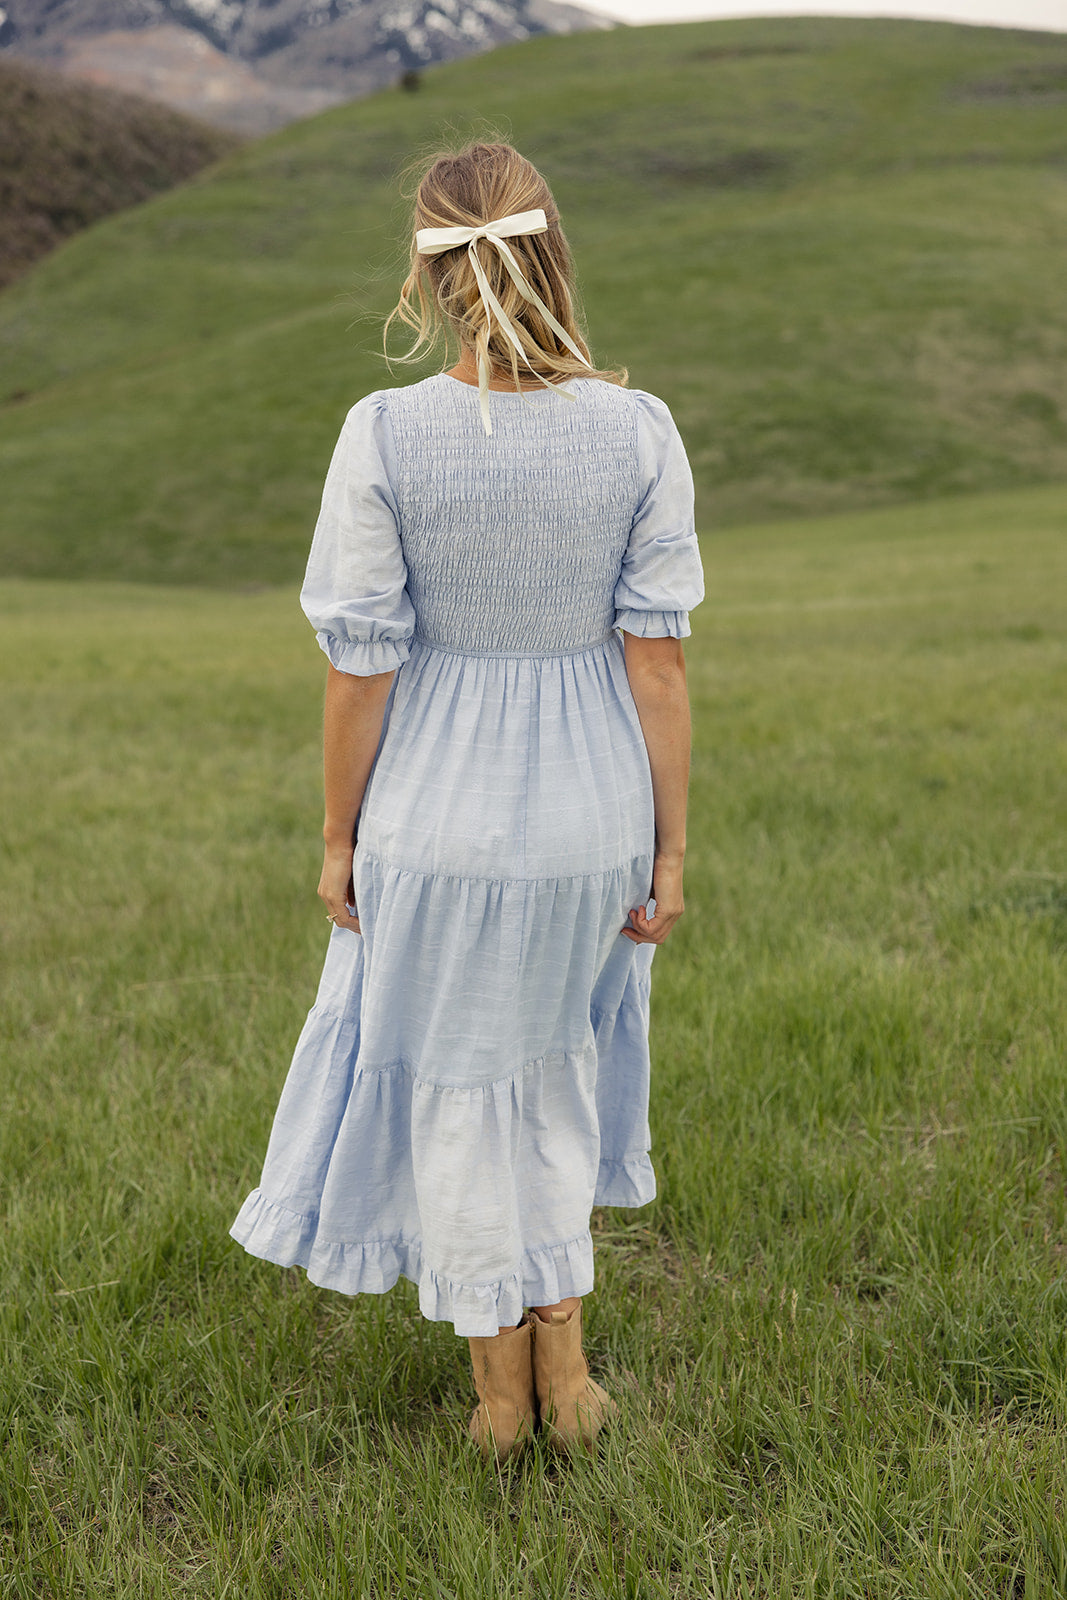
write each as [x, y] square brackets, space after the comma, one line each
[500, 577]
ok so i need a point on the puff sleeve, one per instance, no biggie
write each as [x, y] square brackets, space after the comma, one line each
[661, 579]
[355, 588]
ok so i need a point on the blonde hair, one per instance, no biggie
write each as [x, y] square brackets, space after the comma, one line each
[481, 183]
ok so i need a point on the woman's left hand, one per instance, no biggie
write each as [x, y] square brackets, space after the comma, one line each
[336, 890]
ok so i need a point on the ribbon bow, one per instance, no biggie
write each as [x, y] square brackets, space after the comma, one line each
[434, 241]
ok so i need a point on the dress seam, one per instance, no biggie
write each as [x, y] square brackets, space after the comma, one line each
[417, 1243]
[515, 655]
[596, 1015]
[404, 1064]
[368, 854]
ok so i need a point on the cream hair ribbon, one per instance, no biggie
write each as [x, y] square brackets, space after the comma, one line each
[434, 241]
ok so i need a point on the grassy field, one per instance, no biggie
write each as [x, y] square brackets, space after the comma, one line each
[835, 247]
[839, 1336]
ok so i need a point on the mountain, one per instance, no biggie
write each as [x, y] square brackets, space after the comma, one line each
[835, 247]
[73, 154]
[257, 64]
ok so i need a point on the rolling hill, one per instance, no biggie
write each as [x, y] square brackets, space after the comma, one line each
[835, 247]
[73, 153]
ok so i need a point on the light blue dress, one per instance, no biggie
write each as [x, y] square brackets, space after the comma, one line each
[474, 1075]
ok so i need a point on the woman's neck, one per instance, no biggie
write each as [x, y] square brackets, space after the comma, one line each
[466, 371]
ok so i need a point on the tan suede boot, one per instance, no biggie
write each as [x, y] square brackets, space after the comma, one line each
[506, 1414]
[573, 1407]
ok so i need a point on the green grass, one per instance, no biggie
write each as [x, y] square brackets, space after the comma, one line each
[835, 247]
[839, 1335]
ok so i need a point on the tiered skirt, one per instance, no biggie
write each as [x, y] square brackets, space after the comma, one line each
[474, 1074]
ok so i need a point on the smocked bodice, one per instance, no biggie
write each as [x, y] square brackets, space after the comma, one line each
[513, 543]
[573, 518]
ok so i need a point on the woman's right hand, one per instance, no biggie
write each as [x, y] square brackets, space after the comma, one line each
[667, 893]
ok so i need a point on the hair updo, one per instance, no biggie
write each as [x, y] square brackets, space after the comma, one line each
[482, 183]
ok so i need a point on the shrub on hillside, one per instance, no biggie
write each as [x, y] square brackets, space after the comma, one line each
[72, 153]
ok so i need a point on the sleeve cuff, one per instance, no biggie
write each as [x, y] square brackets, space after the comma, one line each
[364, 657]
[654, 624]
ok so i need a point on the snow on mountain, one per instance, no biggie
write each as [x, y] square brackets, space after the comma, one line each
[420, 30]
[255, 64]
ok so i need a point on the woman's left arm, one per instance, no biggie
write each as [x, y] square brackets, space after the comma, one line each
[352, 726]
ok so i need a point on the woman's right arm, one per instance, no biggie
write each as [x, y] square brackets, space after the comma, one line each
[656, 671]
[352, 727]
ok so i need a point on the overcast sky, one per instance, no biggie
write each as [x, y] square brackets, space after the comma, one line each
[1002, 13]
